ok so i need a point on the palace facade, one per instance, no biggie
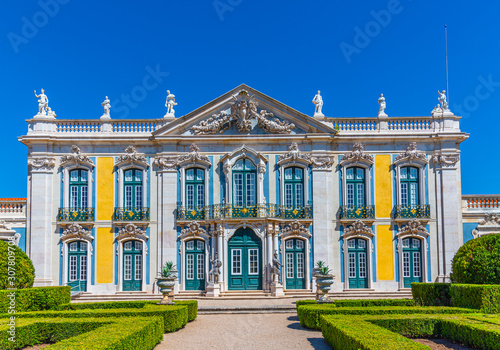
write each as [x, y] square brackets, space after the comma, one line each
[238, 180]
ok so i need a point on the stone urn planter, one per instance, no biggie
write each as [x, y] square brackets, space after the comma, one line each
[324, 283]
[166, 283]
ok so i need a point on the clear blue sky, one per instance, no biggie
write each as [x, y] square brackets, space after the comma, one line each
[81, 51]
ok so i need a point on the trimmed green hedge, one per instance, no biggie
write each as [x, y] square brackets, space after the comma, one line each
[431, 294]
[478, 261]
[192, 306]
[386, 332]
[34, 299]
[483, 297]
[309, 315]
[16, 268]
[131, 333]
[359, 302]
[174, 316]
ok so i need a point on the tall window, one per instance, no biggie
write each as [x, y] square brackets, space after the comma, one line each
[133, 188]
[355, 181]
[78, 188]
[244, 183]
[294, 187]
[409, 186]
[195, 188]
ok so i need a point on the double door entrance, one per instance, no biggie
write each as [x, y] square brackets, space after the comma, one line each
[132, 266]
[244, 261]
[412, 261]
[357, 263]
[77, 266]
[295, 263]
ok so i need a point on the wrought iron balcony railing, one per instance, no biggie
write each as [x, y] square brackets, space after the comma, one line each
[357, 212]
[131, 214]
[227, 211]
[422, 211]
[75, 214]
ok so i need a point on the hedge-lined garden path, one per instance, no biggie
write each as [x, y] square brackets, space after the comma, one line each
[244, 331]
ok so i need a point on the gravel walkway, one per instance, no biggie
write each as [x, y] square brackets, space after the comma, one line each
[244, 331]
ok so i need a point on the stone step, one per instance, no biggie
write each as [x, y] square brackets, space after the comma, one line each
[253, 309]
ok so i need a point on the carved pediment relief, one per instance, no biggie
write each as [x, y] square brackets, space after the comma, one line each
[358, 228]
[295, 229]
[357, 155]
[244, 114]
[294, 155]
[172, 162]
[194, 229]
[413, 228]
[132, 157]
[446, 160]
[76, 157]
[411, 155]
[41, 164]
[489, 226]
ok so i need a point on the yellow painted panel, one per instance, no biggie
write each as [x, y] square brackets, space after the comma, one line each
[385, 253]
[104, 188]
[104, 255]
[383, 203]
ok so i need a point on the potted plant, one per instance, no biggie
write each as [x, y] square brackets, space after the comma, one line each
[166, 282]
[324, 280]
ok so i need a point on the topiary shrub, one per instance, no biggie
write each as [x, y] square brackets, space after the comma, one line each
[16, 269]
[478, 261]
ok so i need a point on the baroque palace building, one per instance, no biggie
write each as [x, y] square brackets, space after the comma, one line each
[237, 181]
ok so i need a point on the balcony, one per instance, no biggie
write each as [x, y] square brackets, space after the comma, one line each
[356, 212]
[131, 214]
[422, 211]
[75, 215]
[229, 211]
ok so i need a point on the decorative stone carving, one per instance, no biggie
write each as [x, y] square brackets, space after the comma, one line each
[413, 228]
[8, 234]
[243, 110]
[170, 103]
[41, 164]
[132, 157]
[322, 162]
[76, 157]
[194, 156]
[227, 167]
[131, 231]
[489, 226]
[295, 228]
[293, 155]
[357, 155]
[411, 155]
[74, 232]
[193, 229]
[446, 160]
[166, 163]
[4, 226]
[358, 228]
[442, 99]
[261, 168]
[107, 107]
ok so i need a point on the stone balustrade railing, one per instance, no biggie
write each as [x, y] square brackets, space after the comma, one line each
[113, 126]
[12, 207]
[480, 202]
[401, 124]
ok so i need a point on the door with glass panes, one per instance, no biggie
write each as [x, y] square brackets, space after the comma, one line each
[357, 260]
[409, 186]
[78, 189]
[245, 267]
[77, 266]
[195, 264]
[355, 183]
[132, 189]
[412, 261]
[132, 265]
[294, 192]
[244, 189]
[295, 263]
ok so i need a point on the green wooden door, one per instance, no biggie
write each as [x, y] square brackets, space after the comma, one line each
[195, 264]
[357, 263]
[412, 261]
[295, 263]
[132, 265]
[245, 262]
[77, 266]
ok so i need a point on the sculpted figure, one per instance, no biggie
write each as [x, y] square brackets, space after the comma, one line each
[170, 103]
[381, 102]
[106, 105]
[442, 99]
[43, 102]
[215, 271]
[318, 102]
[276, 268]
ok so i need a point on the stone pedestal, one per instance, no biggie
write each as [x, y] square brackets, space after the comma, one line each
[169, 116]
[213, 290]
[277, 289]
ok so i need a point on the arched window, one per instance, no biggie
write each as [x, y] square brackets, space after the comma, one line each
[195, 188]
[409, 186]
[294, 187]
[355, 187]
[244, 184]
[132, 188]
[78, 188]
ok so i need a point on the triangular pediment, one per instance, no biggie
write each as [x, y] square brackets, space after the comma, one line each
[243, 111]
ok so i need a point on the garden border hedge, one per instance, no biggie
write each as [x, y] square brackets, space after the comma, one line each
[386, 331]
[359, 302]
[35, 299]
[309, 315]
[134, 333]
[431, 294]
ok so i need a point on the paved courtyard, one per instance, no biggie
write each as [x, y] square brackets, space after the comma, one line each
[244, 331]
